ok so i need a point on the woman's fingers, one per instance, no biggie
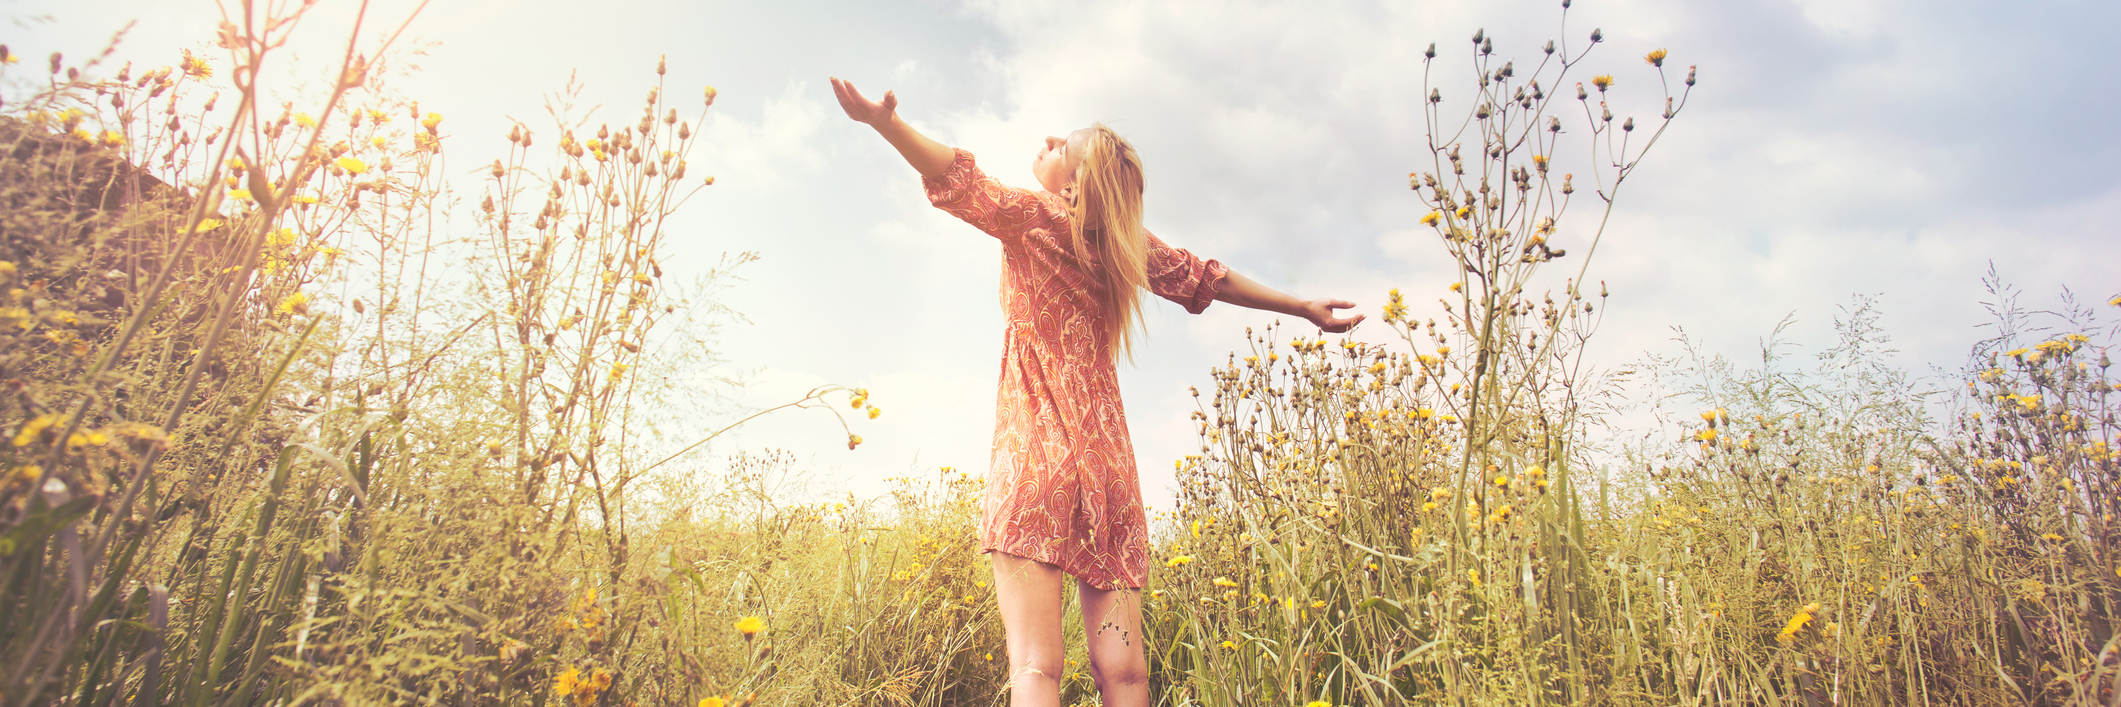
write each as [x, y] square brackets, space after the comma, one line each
[859, 108]
[1334, 324]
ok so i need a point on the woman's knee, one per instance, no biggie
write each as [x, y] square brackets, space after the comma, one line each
[1036, 666]
[1121, 667]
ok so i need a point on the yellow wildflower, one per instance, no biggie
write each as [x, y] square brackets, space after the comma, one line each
[1229, 646]
[711, 702]
[1656, 58]
[352, 165]
[1706, 436]
[750, 626]
[196, 66]
[1319, 703]
[853, 441]
[239, 194]
[113, 139]
[1797, 623]
[1432, 218]
[566, 683]
[1602, 81]
[35, 428]
[1318, 604]
[874, 411]
[297, 303]
[1178, 560]
[304, 120]
[1224, 582]
[1473, 575]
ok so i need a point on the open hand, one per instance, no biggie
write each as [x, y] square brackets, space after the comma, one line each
[1320, 312]
[863, 110]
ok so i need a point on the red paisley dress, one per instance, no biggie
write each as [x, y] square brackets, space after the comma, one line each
[1062, 487]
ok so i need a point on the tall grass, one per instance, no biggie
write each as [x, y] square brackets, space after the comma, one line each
[295, 420]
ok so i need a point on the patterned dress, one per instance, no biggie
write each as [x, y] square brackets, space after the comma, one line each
[1062, 488]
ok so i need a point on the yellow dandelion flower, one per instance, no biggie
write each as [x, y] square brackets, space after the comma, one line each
[1432, 219]
[352, 165]
[1319, 703]
[112, 139]
[711, 702]
[874, 411]
[297, 303]
[1224, 582]
[1178, 560]
[35, 428]
[750, 626]
[1602, 81]
[239, 194]
[1705, 436]
[196, 66]
[1464, 212]
[432, 121]
[566, 683]
[1473, 575]
[853, 441]
[1318, 604]
[1229, 646]
[304, 120]
[1655, 58]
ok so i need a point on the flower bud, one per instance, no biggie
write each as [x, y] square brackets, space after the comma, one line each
[1550, 46]
[661, 64]
[1628, 126]
[1690, 76]
[1597, 36]
[1478, 35]
[1487, 46]
[1435, 95]
[710, 96]
[1431, 53]
[1580, 94]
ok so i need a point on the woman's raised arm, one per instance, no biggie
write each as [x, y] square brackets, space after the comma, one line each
[928, 157]
[1244, 292]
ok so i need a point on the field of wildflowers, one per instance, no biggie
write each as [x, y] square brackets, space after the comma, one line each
[265, 448]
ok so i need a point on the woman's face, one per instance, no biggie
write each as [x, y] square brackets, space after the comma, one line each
[1055, 165]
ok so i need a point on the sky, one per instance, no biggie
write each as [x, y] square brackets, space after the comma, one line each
[1833, 149]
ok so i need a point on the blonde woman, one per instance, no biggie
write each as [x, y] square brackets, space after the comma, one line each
[1062, 494]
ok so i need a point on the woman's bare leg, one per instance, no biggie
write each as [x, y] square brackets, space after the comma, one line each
[1112, 626]
[1030, 596]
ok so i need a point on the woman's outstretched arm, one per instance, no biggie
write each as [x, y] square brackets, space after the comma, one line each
[928, 157]
[1244, 292]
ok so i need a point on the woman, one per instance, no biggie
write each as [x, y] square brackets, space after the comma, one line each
[1062, 494]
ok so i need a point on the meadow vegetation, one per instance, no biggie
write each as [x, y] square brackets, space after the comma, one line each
[291, 419]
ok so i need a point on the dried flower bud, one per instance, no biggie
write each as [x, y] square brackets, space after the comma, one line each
[1487, 46]
[1431, 53]
[1597, 36]
[710, 96]
[1553, 124]
[1690, 76]
[1550, 46]
[660, 64]
[1628, 126]
[498, 170]
[515, 133]
[1509, 68]
[685, 130]
[671, 118]
[1479, 34]
[1580, 94]
[1435, 95]
[487, 205]
[56, 59]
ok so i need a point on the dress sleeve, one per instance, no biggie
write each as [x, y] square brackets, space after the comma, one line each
[998, 209]
[1179, 276]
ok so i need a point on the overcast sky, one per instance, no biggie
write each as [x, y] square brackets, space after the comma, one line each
[1833, 148]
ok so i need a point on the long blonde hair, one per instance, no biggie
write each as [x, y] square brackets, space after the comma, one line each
[1107, 211]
